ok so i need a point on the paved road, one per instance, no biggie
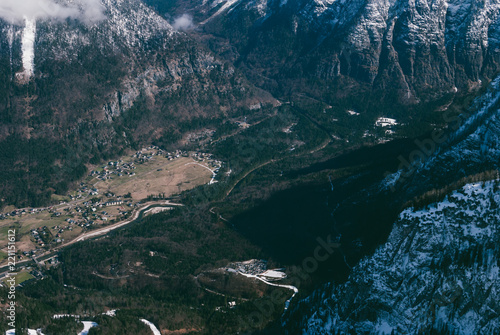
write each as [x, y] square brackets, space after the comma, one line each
[107, 229]
[135, 215]
[321, 147]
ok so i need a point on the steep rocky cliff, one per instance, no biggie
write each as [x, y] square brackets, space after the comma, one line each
[438, 271]
[131, 49]
[419, 48]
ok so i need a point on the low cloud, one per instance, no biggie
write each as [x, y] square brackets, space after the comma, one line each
[85, 10]
[183, 23]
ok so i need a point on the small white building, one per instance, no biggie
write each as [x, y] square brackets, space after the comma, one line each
[385, 122]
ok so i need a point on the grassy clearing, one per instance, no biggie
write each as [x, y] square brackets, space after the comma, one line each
[158, 176]
[57, 197]
[35, 221]
[20, 277]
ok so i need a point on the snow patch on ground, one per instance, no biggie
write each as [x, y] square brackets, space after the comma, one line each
[151, 326]
[28, 46]
[385, 122]
[35, 332]
[227, 4]
[86, 327]
[351, 112]
[111, 312]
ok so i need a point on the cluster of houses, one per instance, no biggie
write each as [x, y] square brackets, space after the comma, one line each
[32, 252]
[84, 216]
[14, 213]
[117, 168]
[120, 168]
[201, 156]
[91, 209]
[207, 158]
[58, 230]
[40, 235]
[84, 190]
[91, 213]
[176, 154]
[22, 211]
[146, 154]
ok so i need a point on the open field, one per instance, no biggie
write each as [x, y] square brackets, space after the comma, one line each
[158, 176]
[25, 244]
[20, 277]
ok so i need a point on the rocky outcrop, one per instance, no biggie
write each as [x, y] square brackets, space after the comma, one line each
[423, 49]
[438, 271]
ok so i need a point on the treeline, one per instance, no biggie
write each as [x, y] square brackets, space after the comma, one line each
[159, 196]
[436, 195]
[32, 170]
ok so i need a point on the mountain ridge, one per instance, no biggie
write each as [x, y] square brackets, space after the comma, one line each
[415, 47]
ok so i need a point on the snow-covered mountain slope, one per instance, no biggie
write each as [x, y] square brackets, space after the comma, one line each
[438, 270]
[127, 24]
[472, 146]
[130, 31]
[124, 24]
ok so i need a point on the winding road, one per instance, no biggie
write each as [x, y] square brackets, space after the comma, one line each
[321, 147]
[212, 181]
[290, 287]
[106, 230]
[103, 231]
